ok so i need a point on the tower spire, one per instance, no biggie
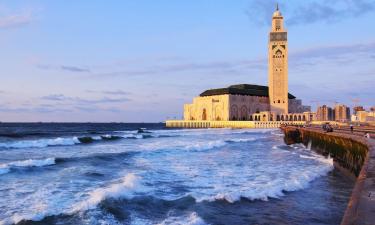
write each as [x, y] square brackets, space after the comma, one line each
[277, 6]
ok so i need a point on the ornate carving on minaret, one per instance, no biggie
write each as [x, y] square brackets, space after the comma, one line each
[278, 65]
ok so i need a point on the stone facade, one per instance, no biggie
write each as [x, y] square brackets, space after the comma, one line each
[278, 65]
[241, 107]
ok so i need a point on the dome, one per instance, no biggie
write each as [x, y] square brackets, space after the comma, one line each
[277, 13]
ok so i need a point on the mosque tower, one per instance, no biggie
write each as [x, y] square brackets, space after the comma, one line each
[278, 65]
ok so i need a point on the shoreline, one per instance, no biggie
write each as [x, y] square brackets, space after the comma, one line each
[355, 157]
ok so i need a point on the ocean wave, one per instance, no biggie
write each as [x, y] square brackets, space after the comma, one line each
[298, 180]
[68, 141]
[6, 168]
[40, 143]
[240, 140]
[190, 219]
[205, 145]
[215, 144]
[125, 188]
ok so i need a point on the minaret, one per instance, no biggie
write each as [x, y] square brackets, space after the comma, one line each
[278, 65]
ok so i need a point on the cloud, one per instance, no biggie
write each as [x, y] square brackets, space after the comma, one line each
[310, 11]
[330, 11]
[16, 20]
[73, 69]
[114, 92]
[55, 97]
[78, 100]
[333, 51]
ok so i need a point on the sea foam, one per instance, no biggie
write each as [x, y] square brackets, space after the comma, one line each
[6, 167]
[40, 143]
[190, 219]
[275, 188]
[124, 189]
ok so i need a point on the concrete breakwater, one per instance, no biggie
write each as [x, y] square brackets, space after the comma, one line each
[354, 153]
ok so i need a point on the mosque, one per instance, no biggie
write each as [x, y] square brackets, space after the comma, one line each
[250, 102]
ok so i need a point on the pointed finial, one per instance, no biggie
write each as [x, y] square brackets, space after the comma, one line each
[277, 6]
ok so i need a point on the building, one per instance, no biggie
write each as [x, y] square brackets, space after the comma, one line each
[357, 109]
[325, 113]
[278, 65]
[342, 113]
[364, 117]
[249, 102]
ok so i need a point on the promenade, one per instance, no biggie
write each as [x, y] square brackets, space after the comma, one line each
[343, 144]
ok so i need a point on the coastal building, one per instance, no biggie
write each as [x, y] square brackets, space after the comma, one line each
[341, 113]
[250, 102]
[357, 109]
[324, 113]
[364, 117]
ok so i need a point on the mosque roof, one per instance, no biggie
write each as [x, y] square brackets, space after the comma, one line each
[241, 89]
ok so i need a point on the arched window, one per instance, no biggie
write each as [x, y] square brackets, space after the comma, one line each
[244, 112]
[299, 118]
[304, 118]
[251, 118]
[278, 118]
[234, 112]
[282, 118]
[278, 101]
[204, 114]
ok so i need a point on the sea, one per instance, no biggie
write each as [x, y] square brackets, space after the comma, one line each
[119, 173]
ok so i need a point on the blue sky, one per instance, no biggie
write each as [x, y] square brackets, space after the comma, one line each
[140, 61]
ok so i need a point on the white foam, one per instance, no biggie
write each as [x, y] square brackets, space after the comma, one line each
[40, 143]
[97, 138]
[233, 189]
[5, 168]
[239, 140]
[205, 145]
[191, 219]
[125, 188]
[307, 157]
[33, 162]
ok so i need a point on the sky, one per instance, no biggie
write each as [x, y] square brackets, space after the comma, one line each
[140, 61]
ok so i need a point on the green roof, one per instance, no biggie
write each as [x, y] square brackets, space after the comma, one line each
[241, 89]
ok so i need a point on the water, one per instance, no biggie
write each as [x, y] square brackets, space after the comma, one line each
[118, 174]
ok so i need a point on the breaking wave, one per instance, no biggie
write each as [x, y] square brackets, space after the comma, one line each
[40, 143]
[123, 189]
[6, 168]
[190, 219]
[274, 188]
[60, 141]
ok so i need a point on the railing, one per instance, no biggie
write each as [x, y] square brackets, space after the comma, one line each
[229, 124]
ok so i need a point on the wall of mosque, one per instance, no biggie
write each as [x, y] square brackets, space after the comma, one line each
[208, 108]
[240, 107]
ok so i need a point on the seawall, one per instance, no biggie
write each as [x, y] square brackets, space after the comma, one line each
[354, 153]
[229, 124]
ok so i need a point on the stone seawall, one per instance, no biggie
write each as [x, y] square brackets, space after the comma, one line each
[354, 153]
